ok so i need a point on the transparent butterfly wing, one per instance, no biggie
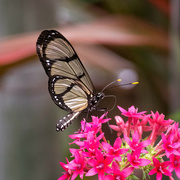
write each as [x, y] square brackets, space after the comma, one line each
[69, 83]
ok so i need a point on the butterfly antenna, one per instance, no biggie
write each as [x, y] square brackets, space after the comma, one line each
[124, 84]
[117, 80]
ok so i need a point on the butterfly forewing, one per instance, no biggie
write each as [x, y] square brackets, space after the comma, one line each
[69, 83]
[57, 53]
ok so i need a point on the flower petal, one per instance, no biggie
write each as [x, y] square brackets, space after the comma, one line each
[74, 175]
[167, 173]
[158, 176]
[106, 146]
[144, 162]
[108, 177]
[127, 171]
[153, 171]
[117, 143]
[177, 170]
[91, 172]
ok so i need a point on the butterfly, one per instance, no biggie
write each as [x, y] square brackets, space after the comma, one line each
[69, 84]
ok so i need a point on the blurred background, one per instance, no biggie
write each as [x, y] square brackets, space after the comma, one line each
[131, 40]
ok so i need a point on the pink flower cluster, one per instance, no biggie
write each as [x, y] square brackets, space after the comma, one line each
[130, 150]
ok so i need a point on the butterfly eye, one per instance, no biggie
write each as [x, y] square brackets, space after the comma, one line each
[100, 95]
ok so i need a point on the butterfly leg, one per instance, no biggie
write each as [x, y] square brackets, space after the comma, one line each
[105, 110]
[83, 128]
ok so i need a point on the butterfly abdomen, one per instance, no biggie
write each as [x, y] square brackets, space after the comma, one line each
[66, 121]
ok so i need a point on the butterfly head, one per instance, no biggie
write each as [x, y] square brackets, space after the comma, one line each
[94, 100]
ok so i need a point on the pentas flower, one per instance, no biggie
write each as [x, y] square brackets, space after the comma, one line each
[135, 143]
[132, 112]
[135, 159]
[169, 146]
[158, 125]
[160, 168]
[86, 127]
[99, 121]
[100, 165]
[121, 127]
[114, 151]
[67, 174]
[144, 141]
[133, 116]
[117, 174]
[77, 165]
[91, 144]
[175, 164]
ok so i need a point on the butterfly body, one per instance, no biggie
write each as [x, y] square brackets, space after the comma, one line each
[69, 84]
[67, 120]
